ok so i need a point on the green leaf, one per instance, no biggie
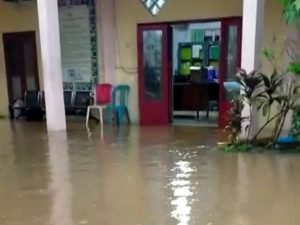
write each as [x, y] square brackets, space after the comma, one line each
[296, 89]
[294, 67]
[266, 80]
[269, 54]
[297, 4]
[265, 109]
[274, 76]
[290, 12]
[260, 106]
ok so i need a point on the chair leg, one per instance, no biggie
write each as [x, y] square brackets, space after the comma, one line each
[101, 115]
[88, 116]
[108, 114]
[208, 109]
[128, 116]
[119, 115]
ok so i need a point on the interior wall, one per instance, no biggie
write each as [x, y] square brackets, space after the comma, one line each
[16, 17]
[180, 36]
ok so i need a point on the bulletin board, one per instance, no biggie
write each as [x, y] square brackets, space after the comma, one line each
[78, 36]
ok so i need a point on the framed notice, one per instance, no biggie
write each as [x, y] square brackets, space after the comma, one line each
[78, 45]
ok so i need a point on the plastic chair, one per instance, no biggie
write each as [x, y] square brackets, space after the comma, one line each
[81, 101]
[119, 103]
[68, 100]
[42, 100]
[33, 109]
[102, 98]
[32, 98]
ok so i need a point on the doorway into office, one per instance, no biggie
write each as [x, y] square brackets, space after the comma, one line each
[195, 52]
[184, 69]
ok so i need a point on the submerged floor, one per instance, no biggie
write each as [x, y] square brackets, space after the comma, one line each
[140, 176]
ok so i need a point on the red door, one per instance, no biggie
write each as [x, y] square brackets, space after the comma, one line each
[153, 74]
[230, 60]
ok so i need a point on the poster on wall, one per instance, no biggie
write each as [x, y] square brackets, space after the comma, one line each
[78, 46]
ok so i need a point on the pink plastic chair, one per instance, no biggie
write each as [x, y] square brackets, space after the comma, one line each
[102, 98]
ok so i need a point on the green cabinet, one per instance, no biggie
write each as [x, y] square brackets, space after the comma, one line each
[197, 54]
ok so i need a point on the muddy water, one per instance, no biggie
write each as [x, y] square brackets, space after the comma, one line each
[140, 176]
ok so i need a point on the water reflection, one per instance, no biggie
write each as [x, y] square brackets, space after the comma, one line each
[60, 184]
[182, 192]
[132, 177]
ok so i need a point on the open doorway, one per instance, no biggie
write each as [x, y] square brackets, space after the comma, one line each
[185, 70]
[195, 68]
[21, 63]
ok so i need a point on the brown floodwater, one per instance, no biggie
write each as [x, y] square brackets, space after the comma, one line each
[140, 176]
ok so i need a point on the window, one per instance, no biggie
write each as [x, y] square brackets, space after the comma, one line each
[152, 54]
[153, 6]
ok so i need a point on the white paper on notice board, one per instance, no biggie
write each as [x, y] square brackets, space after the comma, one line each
[75, 43]
[196, 51]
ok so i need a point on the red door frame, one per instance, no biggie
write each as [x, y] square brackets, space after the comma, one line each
[154, 112]
[223, 107]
